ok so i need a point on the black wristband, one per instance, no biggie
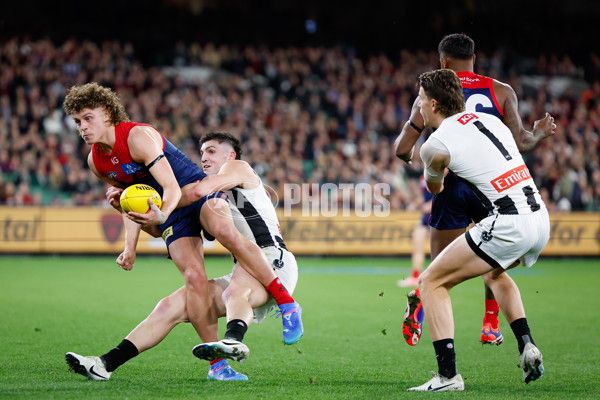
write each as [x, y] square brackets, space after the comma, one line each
[416, 128]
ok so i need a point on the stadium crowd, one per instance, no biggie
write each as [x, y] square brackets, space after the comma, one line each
[305, 115]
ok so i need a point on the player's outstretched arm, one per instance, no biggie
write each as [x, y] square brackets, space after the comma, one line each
[404, 144]
[525, 140]
[232, 174]
[542, 128]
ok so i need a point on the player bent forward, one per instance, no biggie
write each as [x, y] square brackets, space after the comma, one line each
[481, 150]
[237, 295]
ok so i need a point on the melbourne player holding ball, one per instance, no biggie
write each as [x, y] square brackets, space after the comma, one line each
[125, 153]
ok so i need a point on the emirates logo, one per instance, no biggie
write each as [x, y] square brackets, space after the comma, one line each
[511, 178]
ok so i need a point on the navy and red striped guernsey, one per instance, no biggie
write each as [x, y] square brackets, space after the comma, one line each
[479, 94]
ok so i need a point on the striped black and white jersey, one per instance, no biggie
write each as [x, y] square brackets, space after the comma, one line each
[484, 154]
[255, 217]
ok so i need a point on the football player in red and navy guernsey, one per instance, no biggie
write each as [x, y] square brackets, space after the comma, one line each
[125, 153]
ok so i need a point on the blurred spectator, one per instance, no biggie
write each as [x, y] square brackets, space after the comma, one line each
[316, 115]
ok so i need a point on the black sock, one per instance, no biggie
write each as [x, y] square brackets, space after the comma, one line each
[118, 356]
[446, 357]
[521, 330]
[236, 329]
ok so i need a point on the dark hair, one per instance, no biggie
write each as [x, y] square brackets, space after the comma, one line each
[444, 86]
[224, 137]
[457, 45]
[92, 95]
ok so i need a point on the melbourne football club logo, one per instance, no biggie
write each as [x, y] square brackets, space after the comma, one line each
[112, 225]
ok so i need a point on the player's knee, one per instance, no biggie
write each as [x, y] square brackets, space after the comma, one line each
[234, 292]
[227, 295]
[420, 280]
[168, 309]
[427, 282]
[195, 279]
[488, 279]
[495, 277]
[164, 306]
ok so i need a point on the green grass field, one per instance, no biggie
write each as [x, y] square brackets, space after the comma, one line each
[352, 347]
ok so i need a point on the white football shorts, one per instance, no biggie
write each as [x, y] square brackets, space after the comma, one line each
[503, 239]
[286, 272]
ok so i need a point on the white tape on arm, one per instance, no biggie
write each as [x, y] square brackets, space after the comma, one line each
[159, 214]
[431, 175]
[428, 151]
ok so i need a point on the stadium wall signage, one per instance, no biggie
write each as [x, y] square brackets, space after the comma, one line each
[48, 230]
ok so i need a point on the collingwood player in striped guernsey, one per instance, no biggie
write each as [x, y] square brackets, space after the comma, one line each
[454, 209]
[245, 299]
[481, 151]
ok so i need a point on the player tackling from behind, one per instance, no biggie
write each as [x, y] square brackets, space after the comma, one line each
[255, 217]
[481, 151]
[455, 208]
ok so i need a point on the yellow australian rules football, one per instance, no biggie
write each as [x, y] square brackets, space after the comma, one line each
[135, 198]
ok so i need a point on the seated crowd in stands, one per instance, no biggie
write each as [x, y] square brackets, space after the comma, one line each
[305, 115]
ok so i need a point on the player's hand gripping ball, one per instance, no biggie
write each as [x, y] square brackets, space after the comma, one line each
[135, 198]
